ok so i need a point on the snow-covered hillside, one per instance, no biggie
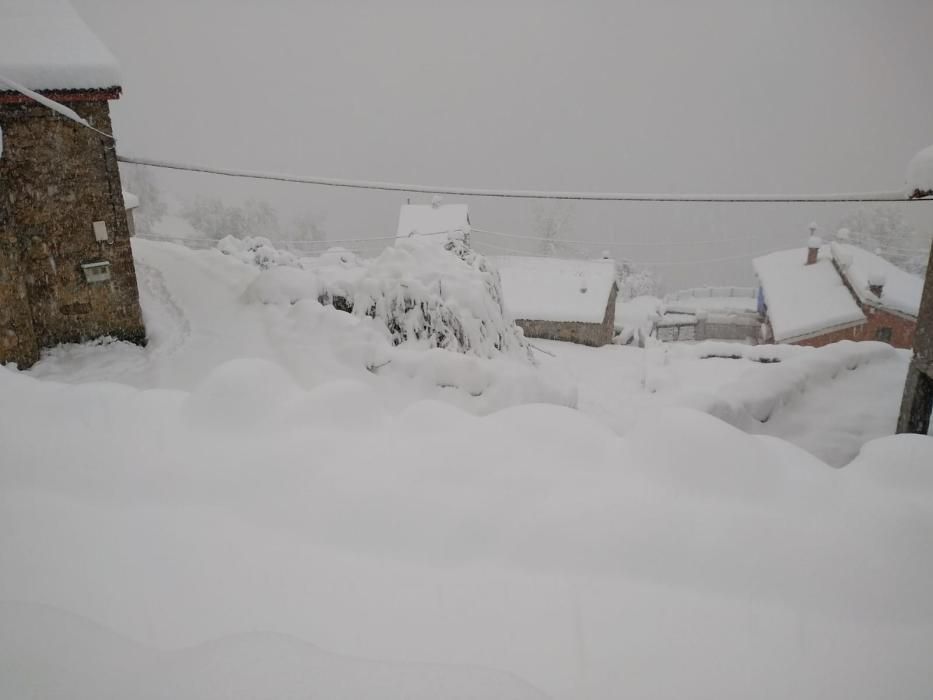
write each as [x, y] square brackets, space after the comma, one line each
[273, 500]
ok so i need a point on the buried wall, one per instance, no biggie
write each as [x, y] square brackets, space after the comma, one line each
[56, 180]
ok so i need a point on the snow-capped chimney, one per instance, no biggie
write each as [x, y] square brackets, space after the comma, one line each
[813, 246]
[876, 284]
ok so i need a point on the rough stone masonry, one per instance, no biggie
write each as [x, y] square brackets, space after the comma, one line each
[57, 179]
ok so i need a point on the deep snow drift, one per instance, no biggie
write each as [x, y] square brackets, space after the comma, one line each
[273, 500]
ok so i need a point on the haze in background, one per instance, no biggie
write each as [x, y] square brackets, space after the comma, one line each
[720, 96]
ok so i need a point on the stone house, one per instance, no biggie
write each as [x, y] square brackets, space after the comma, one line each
[555, 299]
[825, 293]
[437, 221]
[66, 266]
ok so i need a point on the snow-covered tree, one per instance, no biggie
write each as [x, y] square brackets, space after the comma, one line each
[217, 219]
[882, 229]
[634, 280]
[152, 207]
[307, 227]
[553, 221]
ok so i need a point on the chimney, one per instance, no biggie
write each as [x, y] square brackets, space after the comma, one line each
[876, 284]
[813, 246]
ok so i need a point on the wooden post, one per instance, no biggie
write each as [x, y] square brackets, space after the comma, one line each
[918, 389]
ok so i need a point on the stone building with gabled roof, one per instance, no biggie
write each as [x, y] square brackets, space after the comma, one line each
[558, 299]
[66, 266]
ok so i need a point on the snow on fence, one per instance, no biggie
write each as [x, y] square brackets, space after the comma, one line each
[710, 292]
[755, 397]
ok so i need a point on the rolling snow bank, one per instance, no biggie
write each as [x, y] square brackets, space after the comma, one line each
[50, 654]
[533, 541]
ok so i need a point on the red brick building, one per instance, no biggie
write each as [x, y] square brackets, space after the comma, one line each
[825, 293]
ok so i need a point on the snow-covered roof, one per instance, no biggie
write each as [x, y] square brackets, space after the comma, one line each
[45, 45]
[551, 289]
[920, 173]
[130, 200]
[901, 291]
[427, 219]
[804, 299]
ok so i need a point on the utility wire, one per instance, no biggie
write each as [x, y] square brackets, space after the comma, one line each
[523, 194]
[667, 244]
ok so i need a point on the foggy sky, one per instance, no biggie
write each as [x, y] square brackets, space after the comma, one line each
[716, 96]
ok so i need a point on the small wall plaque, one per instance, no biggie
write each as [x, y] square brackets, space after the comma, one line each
[100, 231]
[96, 271]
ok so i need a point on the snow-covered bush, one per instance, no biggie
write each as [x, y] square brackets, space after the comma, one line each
[257, 250]
[635, 319]
[431, 295]
[883, 230]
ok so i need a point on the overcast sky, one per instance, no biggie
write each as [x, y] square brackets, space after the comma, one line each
[714, 96]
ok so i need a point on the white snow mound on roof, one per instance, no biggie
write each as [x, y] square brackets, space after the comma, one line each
[130, 200]
[902, 290]
[803, 299]
[425, 219]
[45, 45]
[920, 172]
[552, 289]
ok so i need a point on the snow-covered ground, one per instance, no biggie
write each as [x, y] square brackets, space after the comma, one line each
[272, 501]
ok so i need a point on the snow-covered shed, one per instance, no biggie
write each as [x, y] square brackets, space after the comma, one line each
[437, 220]
[558, 299]
[825, 293]
[66, 266]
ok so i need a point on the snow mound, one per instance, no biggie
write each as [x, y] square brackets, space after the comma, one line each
[920, 174]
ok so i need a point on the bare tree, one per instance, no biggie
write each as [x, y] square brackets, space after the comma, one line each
[553, 222]
[139, 180]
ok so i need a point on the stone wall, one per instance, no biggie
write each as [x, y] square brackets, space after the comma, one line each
[56, 179]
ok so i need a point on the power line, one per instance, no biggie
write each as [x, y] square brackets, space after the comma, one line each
[667, 244]
[523, 194]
